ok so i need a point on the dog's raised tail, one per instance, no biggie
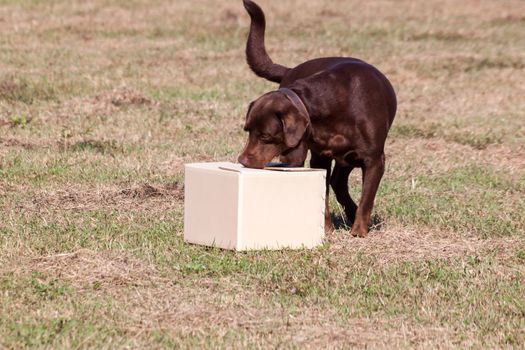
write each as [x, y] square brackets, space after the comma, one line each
[256, 55]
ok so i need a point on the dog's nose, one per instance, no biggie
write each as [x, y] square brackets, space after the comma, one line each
[243, 159]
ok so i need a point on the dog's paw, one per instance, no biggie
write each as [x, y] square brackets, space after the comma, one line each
[359, 232]
[328, 228]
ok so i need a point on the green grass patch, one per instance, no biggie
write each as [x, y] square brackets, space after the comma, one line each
[467, 294]
[82, 163]
[39, 311]
[471, 199]
[476, 140]
[28, 91]
[97, 230]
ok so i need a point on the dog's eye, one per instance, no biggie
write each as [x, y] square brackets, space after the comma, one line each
[266, 138]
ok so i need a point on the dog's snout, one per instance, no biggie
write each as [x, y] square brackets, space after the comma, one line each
[243, 159]
[250, 161]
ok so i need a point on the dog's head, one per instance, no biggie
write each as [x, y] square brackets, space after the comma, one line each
[275, 125]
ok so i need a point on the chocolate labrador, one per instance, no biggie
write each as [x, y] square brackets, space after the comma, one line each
[339, 108]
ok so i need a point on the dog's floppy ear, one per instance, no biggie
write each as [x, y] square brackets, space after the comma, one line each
[248, 115]
[295, 124]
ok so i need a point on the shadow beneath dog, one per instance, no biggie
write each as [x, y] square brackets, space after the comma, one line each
[341, 223]
[376, 223]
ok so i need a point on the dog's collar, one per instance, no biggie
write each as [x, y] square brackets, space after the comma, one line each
[296, 100]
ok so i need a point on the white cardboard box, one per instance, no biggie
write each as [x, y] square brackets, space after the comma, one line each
[232, 207]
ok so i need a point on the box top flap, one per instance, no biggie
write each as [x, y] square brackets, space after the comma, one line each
[290, 169]
[236, 167]
[239, 168]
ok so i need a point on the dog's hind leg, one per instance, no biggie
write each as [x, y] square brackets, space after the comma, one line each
[339, 183]
[373, 170]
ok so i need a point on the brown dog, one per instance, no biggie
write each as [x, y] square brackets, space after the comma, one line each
[339, 108]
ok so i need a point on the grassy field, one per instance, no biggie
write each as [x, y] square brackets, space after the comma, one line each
[102, 102]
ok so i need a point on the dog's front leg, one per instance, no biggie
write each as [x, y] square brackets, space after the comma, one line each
[372, 172]
[320, 162]
[295, 156]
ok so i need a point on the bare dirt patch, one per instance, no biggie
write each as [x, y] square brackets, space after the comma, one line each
[144, 197]
[122, 97]
[12, 142]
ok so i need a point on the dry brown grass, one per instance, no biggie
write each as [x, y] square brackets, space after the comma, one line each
[397, 243]
[85, 267]
[422, 156]
[102, 103]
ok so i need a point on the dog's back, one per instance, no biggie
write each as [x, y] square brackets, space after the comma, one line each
[262, 65]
